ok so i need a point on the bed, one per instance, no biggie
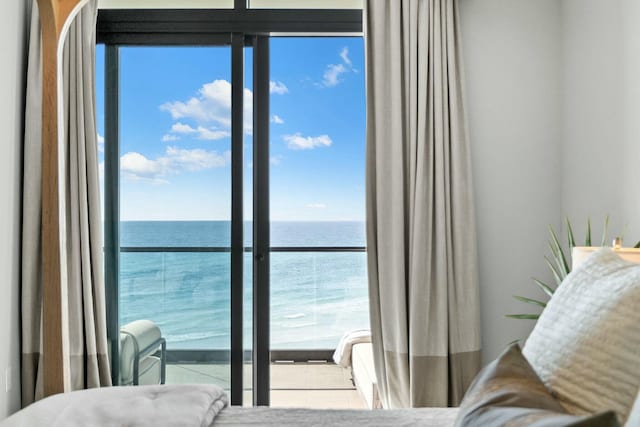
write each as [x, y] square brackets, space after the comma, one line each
[200, 405]
[424, 417]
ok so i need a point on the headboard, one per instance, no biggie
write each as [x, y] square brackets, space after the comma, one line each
[580, 253]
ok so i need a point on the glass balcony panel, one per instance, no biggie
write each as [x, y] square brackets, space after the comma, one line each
[316, 298]
[186, 294]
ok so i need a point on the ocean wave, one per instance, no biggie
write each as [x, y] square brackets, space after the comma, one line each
[194, 336]
[298, 325]
[294, 316]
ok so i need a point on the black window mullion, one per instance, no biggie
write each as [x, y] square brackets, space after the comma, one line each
[112, 205]
[261, 238]
[237, 216]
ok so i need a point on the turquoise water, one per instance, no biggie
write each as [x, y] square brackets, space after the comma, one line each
[315, 297]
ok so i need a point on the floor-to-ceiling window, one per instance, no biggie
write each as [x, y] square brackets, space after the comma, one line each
[239, 170]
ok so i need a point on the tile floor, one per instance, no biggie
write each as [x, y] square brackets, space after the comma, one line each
[293, 385]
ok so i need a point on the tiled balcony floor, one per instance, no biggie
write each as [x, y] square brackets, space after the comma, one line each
[293, 385]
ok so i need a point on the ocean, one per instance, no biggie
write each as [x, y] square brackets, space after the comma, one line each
[315, 297]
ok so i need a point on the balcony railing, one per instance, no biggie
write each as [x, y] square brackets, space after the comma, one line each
[316, 296]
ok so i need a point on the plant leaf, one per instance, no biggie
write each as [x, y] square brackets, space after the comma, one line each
[530, 301]
[558, 263]
[587, 240]
[605, 230]
[523, 316]
[545, 288]
[559, 254]
[637, 246]
[554, 270]
[570, 239]
[624, 231]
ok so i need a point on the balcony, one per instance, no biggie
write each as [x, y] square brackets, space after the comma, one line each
[318, 385]
[317, 294]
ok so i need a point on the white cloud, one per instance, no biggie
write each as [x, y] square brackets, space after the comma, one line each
[332, 73]
[277, 119]
[202, 132]
[278, 88]
[100, 143]
[212, 134]
[169, 137]
[299, 142]
[275, 160]
[182, 128]
[344, 54]
[137, 167]
[210, 109]
[316, 205]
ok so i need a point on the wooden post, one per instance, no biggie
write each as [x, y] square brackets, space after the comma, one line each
[54, 18]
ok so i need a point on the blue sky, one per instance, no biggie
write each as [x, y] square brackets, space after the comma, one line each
[175, 130]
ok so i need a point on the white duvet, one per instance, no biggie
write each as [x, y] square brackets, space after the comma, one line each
[158, 405]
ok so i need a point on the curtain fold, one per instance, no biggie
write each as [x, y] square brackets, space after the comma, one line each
[421, 235]
[81, 218]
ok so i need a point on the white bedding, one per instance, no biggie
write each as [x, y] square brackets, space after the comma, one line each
[274, 417]
[158, 405]
[201, 405]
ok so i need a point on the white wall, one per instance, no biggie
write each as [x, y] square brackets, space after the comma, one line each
[512, 64]
[13, 26]
[553, 95]
[601, 112]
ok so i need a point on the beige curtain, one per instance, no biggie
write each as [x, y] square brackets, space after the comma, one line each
[86, 349]
[420, 219]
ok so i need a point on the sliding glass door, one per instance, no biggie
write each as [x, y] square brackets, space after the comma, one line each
[318, 261]
[234, 205]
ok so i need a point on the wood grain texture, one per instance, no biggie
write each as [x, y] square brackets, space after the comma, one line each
[54, 14]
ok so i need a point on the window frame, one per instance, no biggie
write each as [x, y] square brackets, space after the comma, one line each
[237, 28]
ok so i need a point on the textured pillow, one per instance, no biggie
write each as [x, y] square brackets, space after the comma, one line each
[586, 344]
[507, 392]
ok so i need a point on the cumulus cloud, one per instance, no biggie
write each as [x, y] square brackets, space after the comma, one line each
[210, 109]
[278, 88]
[316, 206]
[299, 142]
[332, 73]
[277, 119]
[200, 132]
[212, 134]
[137, 167]
[179, 127]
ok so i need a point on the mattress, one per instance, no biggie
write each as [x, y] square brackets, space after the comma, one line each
[263, 416]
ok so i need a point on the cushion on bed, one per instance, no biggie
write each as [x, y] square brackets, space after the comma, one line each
[586, 345]
[508, 392]
[145, 406]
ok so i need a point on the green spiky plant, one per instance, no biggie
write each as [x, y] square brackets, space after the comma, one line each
[559, 265]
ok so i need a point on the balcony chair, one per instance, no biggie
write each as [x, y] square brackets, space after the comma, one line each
[143, 351]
